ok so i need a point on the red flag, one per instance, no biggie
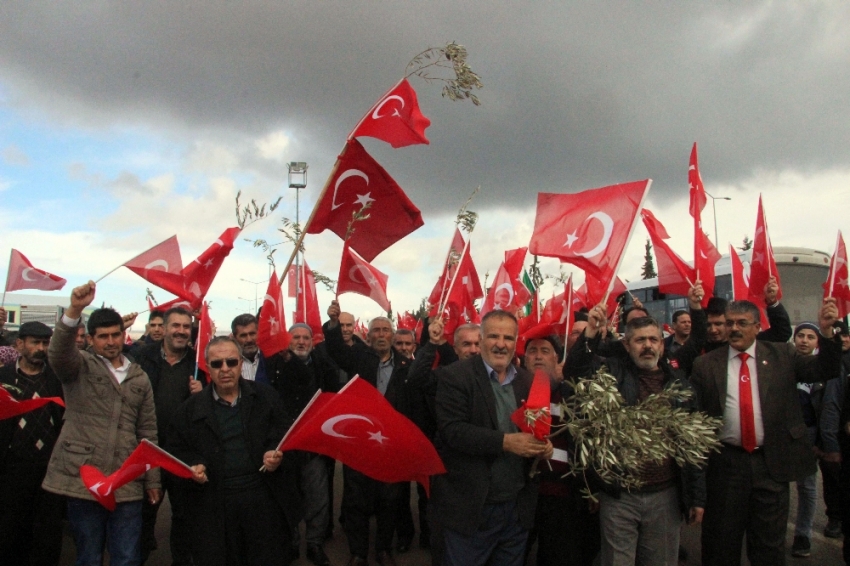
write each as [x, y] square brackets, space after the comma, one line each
[12, 407]
[763, 264]
[836, 284]
[178, 302]
[151, 307]
[458, 260]
[146, 456]
[356, 275]
[740, 287]
[205, 330]
[360, 428]
[507, 293]
[697, 190]
[533, 416]
[590, 229]
[395, 118]
[272, 334]
[705, 260]
[557, 316]
[162, 258]
[22, 275]
[405, 320]
[358, 180]
[307, 304]
[594, 290]
[674, 275]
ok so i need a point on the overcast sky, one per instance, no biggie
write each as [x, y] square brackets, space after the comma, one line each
[124, 123]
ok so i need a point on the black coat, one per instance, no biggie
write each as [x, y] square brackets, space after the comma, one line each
[296, 382]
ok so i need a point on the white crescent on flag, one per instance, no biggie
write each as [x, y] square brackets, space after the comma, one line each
[345, 175]
[328, 425]
[376, 115]
[608, 226]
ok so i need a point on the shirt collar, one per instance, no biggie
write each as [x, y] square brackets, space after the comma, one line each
[733, 353]
[165, 356]
[217, 398]
[23, 373]
[125, 363]
[510, 373]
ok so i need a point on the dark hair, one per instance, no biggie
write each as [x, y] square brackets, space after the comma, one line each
[716, 307]
[176, 310]
[104, 318]
[242, 320]
[744, 307]
[553, 340]
[406, 331]
[156, 314]
[630, 310]
[640, 322]
[580, 316]
[679, 313]
[220, 339]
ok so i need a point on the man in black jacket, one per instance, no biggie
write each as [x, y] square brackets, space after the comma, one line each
[170, 365]
[297, 374]
[30, 517]
[227, 433]
[383, 367]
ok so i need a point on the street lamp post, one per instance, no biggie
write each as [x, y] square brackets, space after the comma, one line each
[297, 178]
[714, 207]
[256, 292]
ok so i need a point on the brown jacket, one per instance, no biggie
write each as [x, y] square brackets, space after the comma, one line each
[104, 421]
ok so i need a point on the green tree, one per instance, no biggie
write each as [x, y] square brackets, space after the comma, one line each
[648, 271]
[747, 245]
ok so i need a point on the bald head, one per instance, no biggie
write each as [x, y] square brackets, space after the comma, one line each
[346, 326]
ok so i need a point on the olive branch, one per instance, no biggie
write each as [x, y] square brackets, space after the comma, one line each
[433, 62]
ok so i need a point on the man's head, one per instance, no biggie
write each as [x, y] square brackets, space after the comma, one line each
[543, 354]
[715, 314]
[841, 328]
[806, 338]
[106, 333]
[156, 325]
[346, 326]
[302, 341]
[31, 343]
[635, 312]
[498, 339]
[742, 324]
[576, 331]
[80, 338]
[644, 342]
[467, 338]
[178, 329]
[682, 325]
[224, 360]
[404, 341]
[381, 335]
[244, 329]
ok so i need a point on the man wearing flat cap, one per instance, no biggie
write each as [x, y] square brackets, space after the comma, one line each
[30, 518]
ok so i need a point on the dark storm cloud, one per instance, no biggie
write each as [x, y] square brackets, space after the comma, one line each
[576, 94]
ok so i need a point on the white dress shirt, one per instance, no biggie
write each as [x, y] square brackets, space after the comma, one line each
[731, 431]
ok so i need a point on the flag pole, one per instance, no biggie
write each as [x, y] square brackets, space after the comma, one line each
[628, 239]
[8, 271]
[569, 307]
[300, 240]
[447, 266]
[452, 284]
[767, 244]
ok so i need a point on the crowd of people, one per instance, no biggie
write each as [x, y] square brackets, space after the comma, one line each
[780, 394]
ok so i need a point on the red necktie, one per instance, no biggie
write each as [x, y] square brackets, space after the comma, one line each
[745, 402]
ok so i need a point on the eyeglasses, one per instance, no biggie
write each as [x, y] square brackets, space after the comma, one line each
[217, 364]
[742, 324]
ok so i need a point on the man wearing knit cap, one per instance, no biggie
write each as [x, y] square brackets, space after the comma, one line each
[297, 374]
[30, 517]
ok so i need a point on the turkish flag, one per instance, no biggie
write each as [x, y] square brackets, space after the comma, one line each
[358, 180]
[705, 260]
[763, 264]
[146, 456]
[458, 261]
[22, 275]
[272, 334]
[594, 290]
[557, 315]
[740, 285]
[360, 428]
[356, 275]
[406, 320]
[205, 332]
[12, 407]
[459, 308]
[508, 291]
[307, 304]
[836, 284]
[696, 188]
[395, 118]
[178, 302]
[162, 258]
[590, 229]
[534, 415]
[674, 275]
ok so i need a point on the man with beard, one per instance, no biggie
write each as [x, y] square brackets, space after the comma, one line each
[640, 525]
[404, 341]
[170, 365]
[30, 518]
[752, 386]
[244, 331]
[486, 501]
[296, 375]
[382, 366]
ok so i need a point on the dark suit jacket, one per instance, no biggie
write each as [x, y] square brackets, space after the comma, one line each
[470, 442]
[787, 452]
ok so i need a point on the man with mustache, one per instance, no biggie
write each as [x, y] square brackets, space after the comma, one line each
[170, 365]
[30, 517]
[244, 331]
[640, 525]
[486, 502]
[752, 386]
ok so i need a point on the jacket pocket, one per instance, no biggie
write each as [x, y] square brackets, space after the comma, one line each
[74, 455]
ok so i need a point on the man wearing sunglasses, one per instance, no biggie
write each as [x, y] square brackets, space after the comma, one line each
[226, 433]
[752, 386]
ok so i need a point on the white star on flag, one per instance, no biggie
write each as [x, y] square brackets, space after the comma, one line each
[571, 238]
[378, 437]
[363, 200]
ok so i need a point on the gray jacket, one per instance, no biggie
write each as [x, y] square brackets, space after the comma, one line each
[104, 421]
